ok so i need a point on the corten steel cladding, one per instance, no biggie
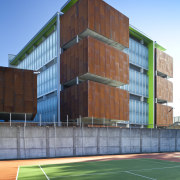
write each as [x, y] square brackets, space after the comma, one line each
[164, 89]
[92, 99]
[94, 57]
[97, 16]
[164, 115]
[164, 63]
[18, 92]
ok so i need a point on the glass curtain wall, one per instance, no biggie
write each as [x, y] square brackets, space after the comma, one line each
[47, 110]
[138, 81]
[138, 53]
[41, 54]
[46, 80]
[138, 112]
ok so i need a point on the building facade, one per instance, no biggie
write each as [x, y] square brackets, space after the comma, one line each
[113, 57]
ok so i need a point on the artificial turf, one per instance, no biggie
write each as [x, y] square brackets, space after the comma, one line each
[115, 169]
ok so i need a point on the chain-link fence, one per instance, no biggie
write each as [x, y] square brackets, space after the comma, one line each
[90, 122]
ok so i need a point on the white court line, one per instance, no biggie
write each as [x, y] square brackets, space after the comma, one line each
[139, 175]
[115, 172]
[17, 173]
[44, 173]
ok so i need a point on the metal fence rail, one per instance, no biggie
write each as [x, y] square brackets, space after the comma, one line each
[90, 125]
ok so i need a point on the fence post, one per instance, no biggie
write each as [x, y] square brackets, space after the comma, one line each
[54, 120]
[80, 121]
[55, 136]
[10, 119]
[25, 121]
[40, 118]
[67, 120]
[128, 125]
[82, 136]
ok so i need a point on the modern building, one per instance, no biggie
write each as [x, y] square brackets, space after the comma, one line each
[102, 68]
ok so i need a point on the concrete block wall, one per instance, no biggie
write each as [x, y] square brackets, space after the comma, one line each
[42, 142]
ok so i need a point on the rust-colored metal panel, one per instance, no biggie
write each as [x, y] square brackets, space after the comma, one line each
[164, 63]
[96, 58]
[34, 95]
[107, 104]
[121, 107]
[103, 18]
[95, 15]
[164, 115]
[112, 24]
[111, 69]
[74, 102]
[19, 103]
[1, 93]
[91, 99]
[112, 102]
[164, 89]
[102, 60]
[116, 99]
[108, 55]
[18, 93]
[97, 21]
[18, 79]
[91, 59]
[91, 5]
[28, 106]
[107, 17]
[82, 17]
[85, 55]
[116, 22]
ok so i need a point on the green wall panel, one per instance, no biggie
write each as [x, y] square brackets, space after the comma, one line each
[151, 84]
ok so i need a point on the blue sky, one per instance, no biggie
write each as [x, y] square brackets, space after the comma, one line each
[21, 19]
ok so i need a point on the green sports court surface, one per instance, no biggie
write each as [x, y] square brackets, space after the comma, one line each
[115, 169]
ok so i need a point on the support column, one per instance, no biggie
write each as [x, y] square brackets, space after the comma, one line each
[120, 141]
[47, 143]
[176, 149]
[18, 143]
[74, 141]
[98, 140]
[141, 140]
[58, 69]
[159, 139]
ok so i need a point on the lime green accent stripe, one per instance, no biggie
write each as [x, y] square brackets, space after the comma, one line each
[159, 47]
[68, 5]
[139, 35]
[36, 40]
[151, 84]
